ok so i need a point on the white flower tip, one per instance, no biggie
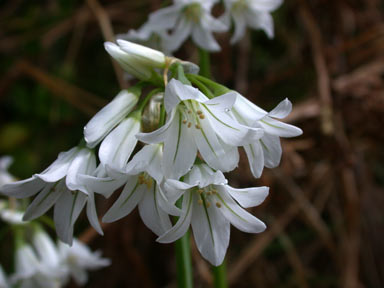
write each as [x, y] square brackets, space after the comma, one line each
[143, 51]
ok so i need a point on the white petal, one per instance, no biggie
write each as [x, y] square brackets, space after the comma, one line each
[182, 224]
[3, 279]
[164, 19]
[83, 163]
[211, 231]
[278, 128]
[117, 147]
[204, 39]
[132, 193]
[23, 189]
[104, 186]
[174, 189]
[202, 175]
[217, 154]
[255, 156]
[212, 24]
[179, 35]
[265, 5]
[66, 212]
[92, 213]
[261, 20]
[158, 135]
[248, 197]
[177, 91]
[44, 200]
[166, 204]
[59, 168]
[272, 150]
[240, 27]
[238, 217]
[5, 162]
[247, 112]
[151, 214]
[145, 55]
[46, 248]
[148, 159]
[179, 149]
[108, 117]
[282, 110]
[223, 102]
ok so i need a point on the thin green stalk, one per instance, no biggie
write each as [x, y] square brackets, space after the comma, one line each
[147, 98]
[183, 259]
[205, 63]
[201, 87]
[220, 276]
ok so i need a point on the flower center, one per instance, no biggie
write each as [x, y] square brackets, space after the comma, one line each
[193, 12]
[192, 114]
[144, 178]
[206, 196]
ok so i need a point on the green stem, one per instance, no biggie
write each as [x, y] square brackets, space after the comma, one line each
[220, 276]
[147, 98]
[206, 91]
[205, 63]
[183, 259]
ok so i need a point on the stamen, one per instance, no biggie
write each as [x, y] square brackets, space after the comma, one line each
[184, 121]
[189, 124]
[201, 116]
[189, 111]
[209, 193]
[218, 204]
[199, 112]
[197, 126]
[200, 191]
[200, 202]
[214, 191]
[207, 204]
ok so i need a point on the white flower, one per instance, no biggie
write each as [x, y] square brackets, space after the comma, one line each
[195, 123]
[108, 117]
[137, 60]
[118, 146]
[78, 258]
[209, 206]
[61, 185]
[253, 13]
[30, 272]
[184, 18]
[5, 176]
[267, 150]
[3, 279]
[143, 175]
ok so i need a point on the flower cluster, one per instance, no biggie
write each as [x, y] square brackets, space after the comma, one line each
[168, 28]
[166, 141]
[39, 261]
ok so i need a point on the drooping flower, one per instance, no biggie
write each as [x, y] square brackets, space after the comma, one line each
[78, 258]
[253, 13]
[195, 123]
[31, 272]
[143, 175]
[5, 176]
[210, 205]
[182, 19]
[61, 185]
[110, 116]
[267, 150]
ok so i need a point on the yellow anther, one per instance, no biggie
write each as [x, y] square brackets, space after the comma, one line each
[189, 111]
[148, 182]
[201, 116]
[184, 121]
[218, 204]
[208, 204]
[214, 191]
[200, 202]
[197, 126]
[200, 191]
[189, 124]
[209, 193]
[199, 112]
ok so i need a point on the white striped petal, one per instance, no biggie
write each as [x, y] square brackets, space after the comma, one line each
[23, 189]
[248, 197]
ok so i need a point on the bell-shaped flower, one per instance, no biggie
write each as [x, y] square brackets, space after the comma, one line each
[182, 19]
[143, 175]
[110, 116]
[62, 186]
[267, 150]
[30, 271]
[5, 176]
[78, 259]
[255, 14]
[118, 146]
[3, 279]
[195, 123]
[137, 60]
[210, 205]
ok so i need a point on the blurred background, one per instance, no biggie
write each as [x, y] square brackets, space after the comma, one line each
[325, 209]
